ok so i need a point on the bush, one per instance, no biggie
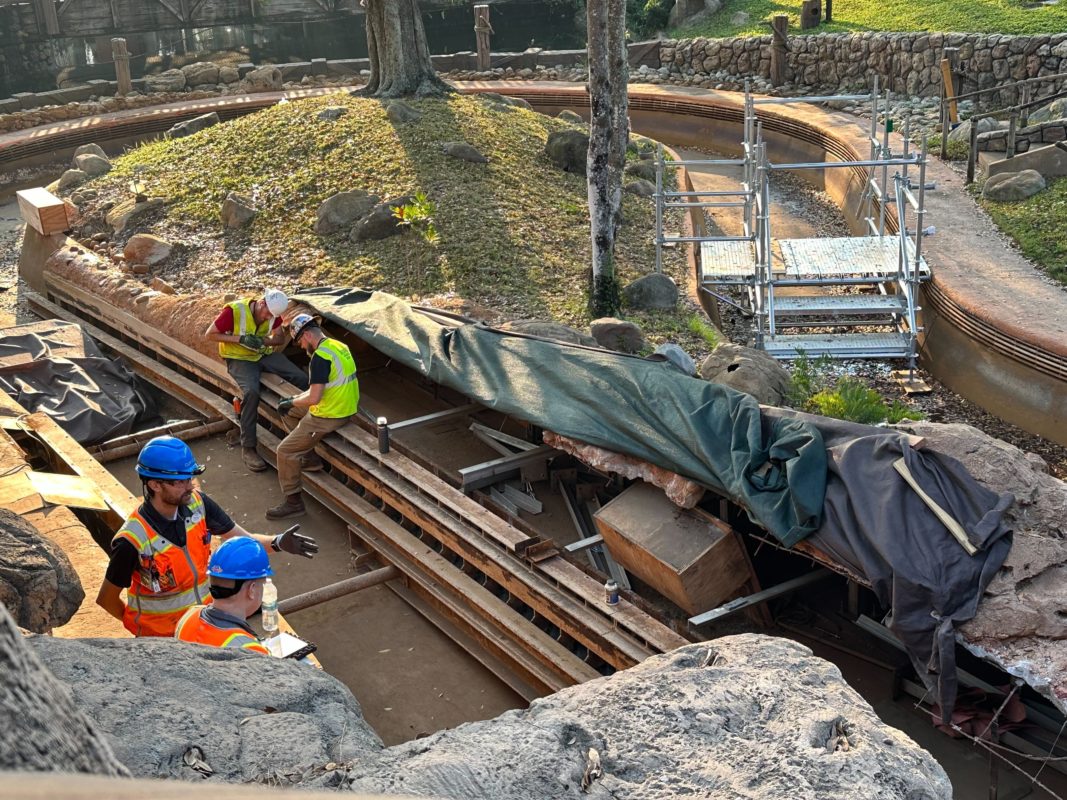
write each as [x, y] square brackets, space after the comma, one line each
[849, 399]
[647, 17]
[957, 151]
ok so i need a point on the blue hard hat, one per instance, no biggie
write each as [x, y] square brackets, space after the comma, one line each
[240, 558]
[167, 458]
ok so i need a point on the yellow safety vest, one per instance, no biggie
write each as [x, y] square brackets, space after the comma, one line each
[340, 398]
[244, 322]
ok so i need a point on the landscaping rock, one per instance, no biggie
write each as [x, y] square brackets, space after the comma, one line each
[237, 211]
[201, 73]
[962, 132]
[747, 370]
[400, 112]
[570, 116]
[87, 149]
[1050, 161]
[331, 113]
[1057, 109]
[740, 18]
[641, 188]
[1013, 186]
[504, 100]
[645, 170]
[159, 285]
[464, 152]
[381, 222]
[263, 79]
[92, 164]
[144, 248]
[38, 584]
[568, 150]
[123, 213]
[173, 80]
[194, 125]
[550, 330]
[44, 730]
[343, 209]
[652, 291]
[229, 74]
[678, 357]
[71, 178]
[617, 334]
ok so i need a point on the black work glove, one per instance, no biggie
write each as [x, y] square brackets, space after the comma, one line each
[285, 404]
[251, 341]
[296, 543]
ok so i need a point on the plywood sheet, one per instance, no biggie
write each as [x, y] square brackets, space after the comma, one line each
[67, 490]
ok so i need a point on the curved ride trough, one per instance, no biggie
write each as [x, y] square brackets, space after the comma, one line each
[995, 330]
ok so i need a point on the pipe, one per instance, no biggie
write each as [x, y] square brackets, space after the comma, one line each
[339, 589]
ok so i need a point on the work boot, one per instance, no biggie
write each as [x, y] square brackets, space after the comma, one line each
[292, 507]
[310, 462]
[252, 459]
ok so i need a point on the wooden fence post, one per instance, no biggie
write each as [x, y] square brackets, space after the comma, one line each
[482, 30]
[779, 31]
[122, 67]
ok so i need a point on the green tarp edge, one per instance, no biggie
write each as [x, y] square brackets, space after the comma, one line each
[644, 408]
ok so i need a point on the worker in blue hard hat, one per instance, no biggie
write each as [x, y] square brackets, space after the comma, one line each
[238, 570]
[160, 554]
[250, 336]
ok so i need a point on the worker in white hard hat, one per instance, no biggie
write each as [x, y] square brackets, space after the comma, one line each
[251, 337]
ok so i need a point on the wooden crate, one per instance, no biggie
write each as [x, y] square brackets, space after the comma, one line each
[681, 556]
[43, 211]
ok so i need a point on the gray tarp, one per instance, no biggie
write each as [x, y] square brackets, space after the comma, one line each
[91, 397]
[641, 407]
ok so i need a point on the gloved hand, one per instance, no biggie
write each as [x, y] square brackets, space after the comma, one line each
[285, 404]
[251, 341]
[296, 543]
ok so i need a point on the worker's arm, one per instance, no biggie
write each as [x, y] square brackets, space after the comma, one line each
[288, 542]
[109, 598]
[309, 398]
[214, 331]
[237, 530]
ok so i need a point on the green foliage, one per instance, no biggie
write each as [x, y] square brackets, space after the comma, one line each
[647, 17]
[1039, 225]
[706, 331]
[966, 16]
[849, 398]
[808, 378]
[418, 215]
[957, 151]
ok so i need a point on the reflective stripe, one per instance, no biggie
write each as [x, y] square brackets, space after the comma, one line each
[194, 627]
[169, 603]
[340, 396]
[244, 321]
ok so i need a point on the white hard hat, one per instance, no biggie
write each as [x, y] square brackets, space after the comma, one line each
[300, 323]
[276, 302]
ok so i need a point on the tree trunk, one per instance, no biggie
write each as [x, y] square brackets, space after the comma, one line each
[399, 58]
[609, 133]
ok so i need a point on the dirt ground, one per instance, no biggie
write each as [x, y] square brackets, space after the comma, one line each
[409, 678]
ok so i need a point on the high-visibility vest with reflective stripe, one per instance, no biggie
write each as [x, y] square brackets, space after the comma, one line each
[192, 627]
[167, 579]
[244, 322]
[340, 397]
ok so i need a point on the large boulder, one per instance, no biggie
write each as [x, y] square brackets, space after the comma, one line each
[173, 80]
[640, 187]
[92, 164]
[38, 584]
[645, 170]
[1050, 161]
[126, 211]
[263, 79]
[1013, 186]
[381, 222]
[228, 74]
[144, 248]
[238, 717]
[201, 73]
[617, 334]
[194, 125]
[568, 150]
[464, 152]
[44, 730]
[237, 211]
[678, 358]
[962, 132]
[87, 149]
[686, 10]
[654, 291]
[550, 330]
[401, 113]
[570, 116]
[342, 209]
[750, 371]
[71, 178]
[1057, 109]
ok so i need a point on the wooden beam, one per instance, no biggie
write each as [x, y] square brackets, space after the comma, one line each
[65, 6]
[173, 11]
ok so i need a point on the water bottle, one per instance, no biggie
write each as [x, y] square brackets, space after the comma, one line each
[270, 614]
[611, 592]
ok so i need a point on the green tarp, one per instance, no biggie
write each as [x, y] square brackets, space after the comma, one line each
[646, 408]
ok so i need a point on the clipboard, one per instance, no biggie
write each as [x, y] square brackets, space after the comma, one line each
[289, 646]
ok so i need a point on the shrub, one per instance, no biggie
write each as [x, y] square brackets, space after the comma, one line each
[810, 389]
[704, 330]
[957, 151]
[646, 17]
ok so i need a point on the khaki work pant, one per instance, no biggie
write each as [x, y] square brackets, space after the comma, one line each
[302, 439]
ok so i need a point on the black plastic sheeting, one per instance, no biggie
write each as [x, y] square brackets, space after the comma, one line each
[91, 397]
[642, 407]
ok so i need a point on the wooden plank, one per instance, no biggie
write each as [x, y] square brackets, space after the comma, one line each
[15, 487]
[42, 210]
[949, 87]
[73, 491]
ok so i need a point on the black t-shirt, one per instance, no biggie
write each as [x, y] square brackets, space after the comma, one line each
[319, 370]
[124, 555]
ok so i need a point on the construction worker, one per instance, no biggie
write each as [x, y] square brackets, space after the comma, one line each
[238, 570]
[160, 554]
[247, 332]
[330, 401]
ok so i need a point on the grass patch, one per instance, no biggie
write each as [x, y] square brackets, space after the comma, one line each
[813, 389]
[965, 16]
[1039, 226]
[512, 234]
[956, 151]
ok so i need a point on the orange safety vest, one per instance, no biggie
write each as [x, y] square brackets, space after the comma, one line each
[192, 627]
[167, 579]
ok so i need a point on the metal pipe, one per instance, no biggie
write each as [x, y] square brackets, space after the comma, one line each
[340, 589]
[673, 239]
[972, 154]
[1010, 146]
[1042, 79]
[728, 204]
[874, 162]
[659, 208]
[826, 98]
[723, 162]
[717, 193]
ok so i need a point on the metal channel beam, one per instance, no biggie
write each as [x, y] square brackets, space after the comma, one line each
[489, 472]
[759, 597]
[436, 416]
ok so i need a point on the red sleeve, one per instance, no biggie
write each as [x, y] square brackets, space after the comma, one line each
[224, 321]
[277, 324]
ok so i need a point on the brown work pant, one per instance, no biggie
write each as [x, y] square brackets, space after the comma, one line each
[302, 439]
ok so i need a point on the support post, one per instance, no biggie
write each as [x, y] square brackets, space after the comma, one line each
[121, 57]
[972, 152]
[482, 31]
[1010, 146]
[779, 48]
[829, 15]
[47, 17]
